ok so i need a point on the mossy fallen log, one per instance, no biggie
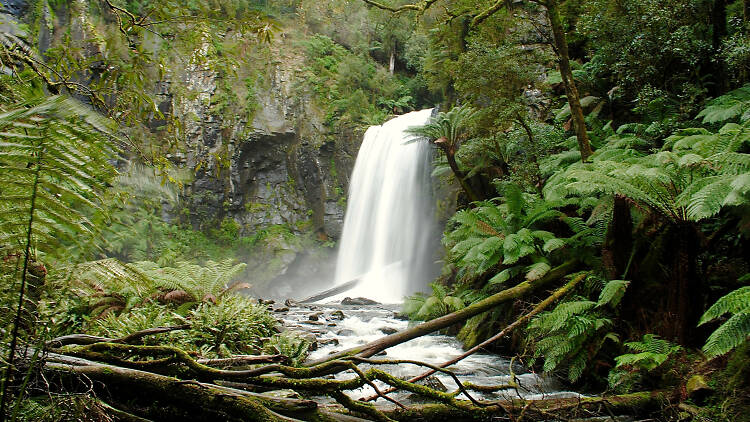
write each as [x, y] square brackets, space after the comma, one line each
[158, 397]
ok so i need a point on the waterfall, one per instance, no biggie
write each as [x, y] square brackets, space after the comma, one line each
[389, 229]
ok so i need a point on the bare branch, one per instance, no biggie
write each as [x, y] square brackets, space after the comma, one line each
[419, 7]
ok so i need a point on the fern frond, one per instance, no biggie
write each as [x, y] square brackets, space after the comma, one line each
[729, 335]
[734, 302]
[612, 292]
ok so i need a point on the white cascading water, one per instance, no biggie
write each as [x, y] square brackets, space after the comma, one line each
[389, 226]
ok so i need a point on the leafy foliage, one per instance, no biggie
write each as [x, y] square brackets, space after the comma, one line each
[652, 352]
[423, 307]
[735, 330]
[54, 169]
[233, 326]
[572, 334]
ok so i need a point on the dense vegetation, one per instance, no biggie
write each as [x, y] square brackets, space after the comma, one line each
[597, 140]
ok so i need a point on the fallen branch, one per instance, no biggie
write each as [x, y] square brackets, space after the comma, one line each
[85, 339]
[244, 360]
[557, 294]
[333, 292]
[446, 321]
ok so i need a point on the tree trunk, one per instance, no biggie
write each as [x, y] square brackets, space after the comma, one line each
[446, 321]
[684, 303]
[574, 100]
[450, 155]
[618, 243]
[333, 291]
[719, 32]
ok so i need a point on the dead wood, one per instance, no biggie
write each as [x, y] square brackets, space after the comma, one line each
[518, 291]
[84, 339]
[333, 292]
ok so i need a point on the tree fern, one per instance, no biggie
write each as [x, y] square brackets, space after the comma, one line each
[736, 329]
[53, 170]
[53, 163]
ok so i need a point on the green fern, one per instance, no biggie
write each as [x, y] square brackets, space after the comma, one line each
[569, 336]
[422, 307]
[54, 169]
[53, 165]
[652, 352]
[736, 329]
[212, 278]
[730, 106]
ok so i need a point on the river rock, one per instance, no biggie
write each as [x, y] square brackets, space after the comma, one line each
[399, 316]
[328, 341]
[358, 301]
[345, 332]
[315, 316]
[388, 330]
[337, 315]
[290, 303]
[311, 339]
[434, 383]
[283, 309]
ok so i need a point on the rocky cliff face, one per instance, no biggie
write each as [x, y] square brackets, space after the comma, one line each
[281, 166]
[277, 166]
[288, 169]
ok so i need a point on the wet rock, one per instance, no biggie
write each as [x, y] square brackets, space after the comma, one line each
[312, 340]
[697, 388]
[283, 309]
[329, 342]
[314, 317]
[331, 324]
[388, 330]
[337, 315]
[345, 332]
[290, 303]
[399, 316]
[434, 383]
[358, 301]
[314, 322]
[266, 302]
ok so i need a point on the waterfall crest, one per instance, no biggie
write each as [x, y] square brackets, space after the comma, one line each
[389, 229]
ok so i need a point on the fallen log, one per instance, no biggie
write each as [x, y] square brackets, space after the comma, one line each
[158, 397]
[641, 403]
[518, 291]
[244, 360]
[85, 339]
[537, 309]
[155, 397]
[332, 292]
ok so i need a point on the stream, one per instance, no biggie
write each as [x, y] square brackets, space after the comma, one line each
[337, 327]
